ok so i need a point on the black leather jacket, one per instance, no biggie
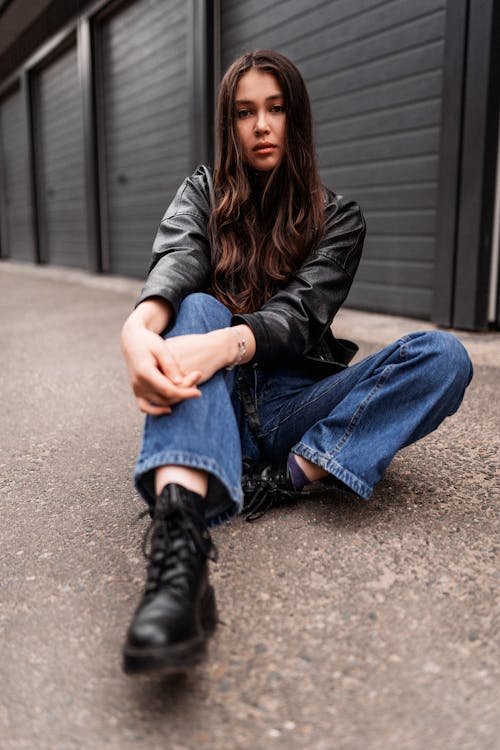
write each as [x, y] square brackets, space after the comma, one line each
[293, 327]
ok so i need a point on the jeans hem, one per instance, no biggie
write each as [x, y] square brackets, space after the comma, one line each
[335, 469]
[194, 461]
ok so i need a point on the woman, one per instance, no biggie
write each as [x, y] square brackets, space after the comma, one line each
[230, 353]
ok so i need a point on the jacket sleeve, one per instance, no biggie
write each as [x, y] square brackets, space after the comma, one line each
[292, 322]
[180, 263]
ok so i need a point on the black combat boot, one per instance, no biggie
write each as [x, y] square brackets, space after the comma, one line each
[266, 486]
[177, 612]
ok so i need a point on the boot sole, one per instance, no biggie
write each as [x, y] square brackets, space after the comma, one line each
[180, 657]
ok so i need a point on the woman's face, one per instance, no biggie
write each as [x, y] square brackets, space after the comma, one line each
[261, 120]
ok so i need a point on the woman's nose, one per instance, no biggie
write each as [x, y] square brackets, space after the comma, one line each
[261, 124]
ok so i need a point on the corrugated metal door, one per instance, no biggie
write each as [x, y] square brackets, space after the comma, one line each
[145, 123]
[58, 130]
[17, 242]
[374, 72]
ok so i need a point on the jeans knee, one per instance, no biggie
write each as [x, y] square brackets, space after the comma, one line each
[449, 360]
[201, 312]
[201, 302]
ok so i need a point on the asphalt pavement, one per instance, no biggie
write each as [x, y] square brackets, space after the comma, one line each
[346, 625]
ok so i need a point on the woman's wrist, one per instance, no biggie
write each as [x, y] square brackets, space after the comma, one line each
[241, 345]
[232, 346]
[242, 349]
[154, 314]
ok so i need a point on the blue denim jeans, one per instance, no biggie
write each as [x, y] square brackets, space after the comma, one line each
[351, 423]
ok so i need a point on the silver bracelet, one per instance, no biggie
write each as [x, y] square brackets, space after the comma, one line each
[242, 350]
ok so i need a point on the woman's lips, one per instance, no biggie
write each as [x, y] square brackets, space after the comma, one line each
[264, 148]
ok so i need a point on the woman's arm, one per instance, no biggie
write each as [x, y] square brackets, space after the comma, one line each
[165, 372]
[180, 264]
[181, 256]
[206, 353]
[293, 321]
[154, 374]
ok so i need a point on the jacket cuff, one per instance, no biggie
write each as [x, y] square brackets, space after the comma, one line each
[265, 348]
[152, 290]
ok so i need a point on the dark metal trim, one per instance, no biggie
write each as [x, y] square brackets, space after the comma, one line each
[100, 135]
[102, 9]
[217, 53]
[27, 88]
[497, 320]
[13, 88]
[4, 4]
[200, 65]
[86, 76]
[478, 173]
[4, 243]
[449, 161]
[52, 48]
[10, 84]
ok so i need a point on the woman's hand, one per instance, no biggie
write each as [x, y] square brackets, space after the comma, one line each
[203, 353]
[154, 374]
[207, 353]
[164, 372]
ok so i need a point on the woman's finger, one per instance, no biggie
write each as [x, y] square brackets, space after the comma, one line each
[155, 386]
[155, 399]
[149, 407]
[169, 395]
[169, 364]
[191, 379]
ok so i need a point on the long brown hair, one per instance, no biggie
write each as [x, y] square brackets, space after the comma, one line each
[261, 236]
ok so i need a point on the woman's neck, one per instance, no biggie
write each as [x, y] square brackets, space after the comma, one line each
[258, 179]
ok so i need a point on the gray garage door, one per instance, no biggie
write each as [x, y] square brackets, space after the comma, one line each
[145, 122]
[374, 72]
[15, 220]
[59, 158]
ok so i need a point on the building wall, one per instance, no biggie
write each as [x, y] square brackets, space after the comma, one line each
[374, 73]
[59, 161]
[144, 125]
[15, 207]
[134, 72]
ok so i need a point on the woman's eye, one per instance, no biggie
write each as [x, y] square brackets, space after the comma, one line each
[242, 113]
[278, 108]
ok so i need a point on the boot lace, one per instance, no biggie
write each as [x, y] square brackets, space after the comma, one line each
[264, 488]
[174, 543]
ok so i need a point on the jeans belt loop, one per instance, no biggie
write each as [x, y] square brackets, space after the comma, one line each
[248, 404]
